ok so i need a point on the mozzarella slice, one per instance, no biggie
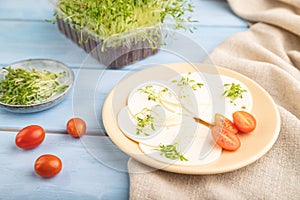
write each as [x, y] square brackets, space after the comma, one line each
[170, 100]
[204, 102]
[157, 97]
[160, 134]
[193, 95]
[222, 104]
[139, 100]
[198, 147]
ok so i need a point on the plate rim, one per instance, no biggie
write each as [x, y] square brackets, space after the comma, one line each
[143, 158]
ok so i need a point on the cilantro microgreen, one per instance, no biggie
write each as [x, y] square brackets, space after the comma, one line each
[170, 151]
[187, 81]
[144, 121]
[150, 91]
[233, 91]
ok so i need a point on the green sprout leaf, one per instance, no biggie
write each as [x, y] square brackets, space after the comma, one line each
[170, 151]
[144, 121]
[233, 91]
[187, 81]
[149, 90]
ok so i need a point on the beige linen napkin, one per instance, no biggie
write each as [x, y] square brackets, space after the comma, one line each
[269, 53]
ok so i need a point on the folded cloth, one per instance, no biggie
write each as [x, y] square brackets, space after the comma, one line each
[269, 53]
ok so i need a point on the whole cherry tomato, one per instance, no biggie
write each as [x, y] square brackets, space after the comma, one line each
[225, 139]
[76, 127]
[47, 165]
[222, 121]
[244, 121]
[30, 137]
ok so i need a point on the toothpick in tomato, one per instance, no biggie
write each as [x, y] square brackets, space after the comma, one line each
[222, 121]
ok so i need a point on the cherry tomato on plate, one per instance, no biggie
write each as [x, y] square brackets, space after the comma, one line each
[76, 127]
[244, 121]
[225, 139]
[222, 121]
[30, 137]
[47, 165]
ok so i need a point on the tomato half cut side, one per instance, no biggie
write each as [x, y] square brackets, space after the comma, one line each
[244, 121]
[224, 122]
[225, 139]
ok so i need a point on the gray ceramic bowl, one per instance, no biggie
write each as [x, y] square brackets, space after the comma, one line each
[41, 64]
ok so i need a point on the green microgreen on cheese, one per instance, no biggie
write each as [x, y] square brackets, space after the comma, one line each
[25, 87]
[144, 121]
[150, 91]
[170, 151]
[187, 81]
[233, 91]
[165, 90]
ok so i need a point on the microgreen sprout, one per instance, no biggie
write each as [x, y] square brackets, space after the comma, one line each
[187, 81]
[233, 91]
[144, 121]
[165, 90]
[26, 87]
[170, 151]
[150, 91]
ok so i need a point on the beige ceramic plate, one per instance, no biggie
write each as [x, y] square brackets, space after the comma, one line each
[254, 145]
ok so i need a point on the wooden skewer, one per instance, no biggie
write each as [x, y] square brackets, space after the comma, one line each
[198, 120]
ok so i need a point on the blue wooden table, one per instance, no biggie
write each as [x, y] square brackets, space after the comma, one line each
[93, 167]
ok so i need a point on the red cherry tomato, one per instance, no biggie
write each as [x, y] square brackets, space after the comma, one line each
[76, 127]
[225, 139]
[222, 121]
[244, 121]
[30, 137]
[47, 165]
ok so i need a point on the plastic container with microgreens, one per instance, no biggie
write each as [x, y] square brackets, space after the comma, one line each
[119, 32]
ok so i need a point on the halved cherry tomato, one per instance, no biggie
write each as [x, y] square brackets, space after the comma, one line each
[222, 121]
[47, 165]
[225, 139]
[30, 137]
[244, 121]
[76, 127]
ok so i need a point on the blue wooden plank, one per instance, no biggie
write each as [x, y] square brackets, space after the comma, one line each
[26, 10]
[83, 176]
[211, 13]
[215, 13]
[24, 40]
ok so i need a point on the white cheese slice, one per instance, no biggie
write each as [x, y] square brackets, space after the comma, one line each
[161, 133]
[197, 147]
